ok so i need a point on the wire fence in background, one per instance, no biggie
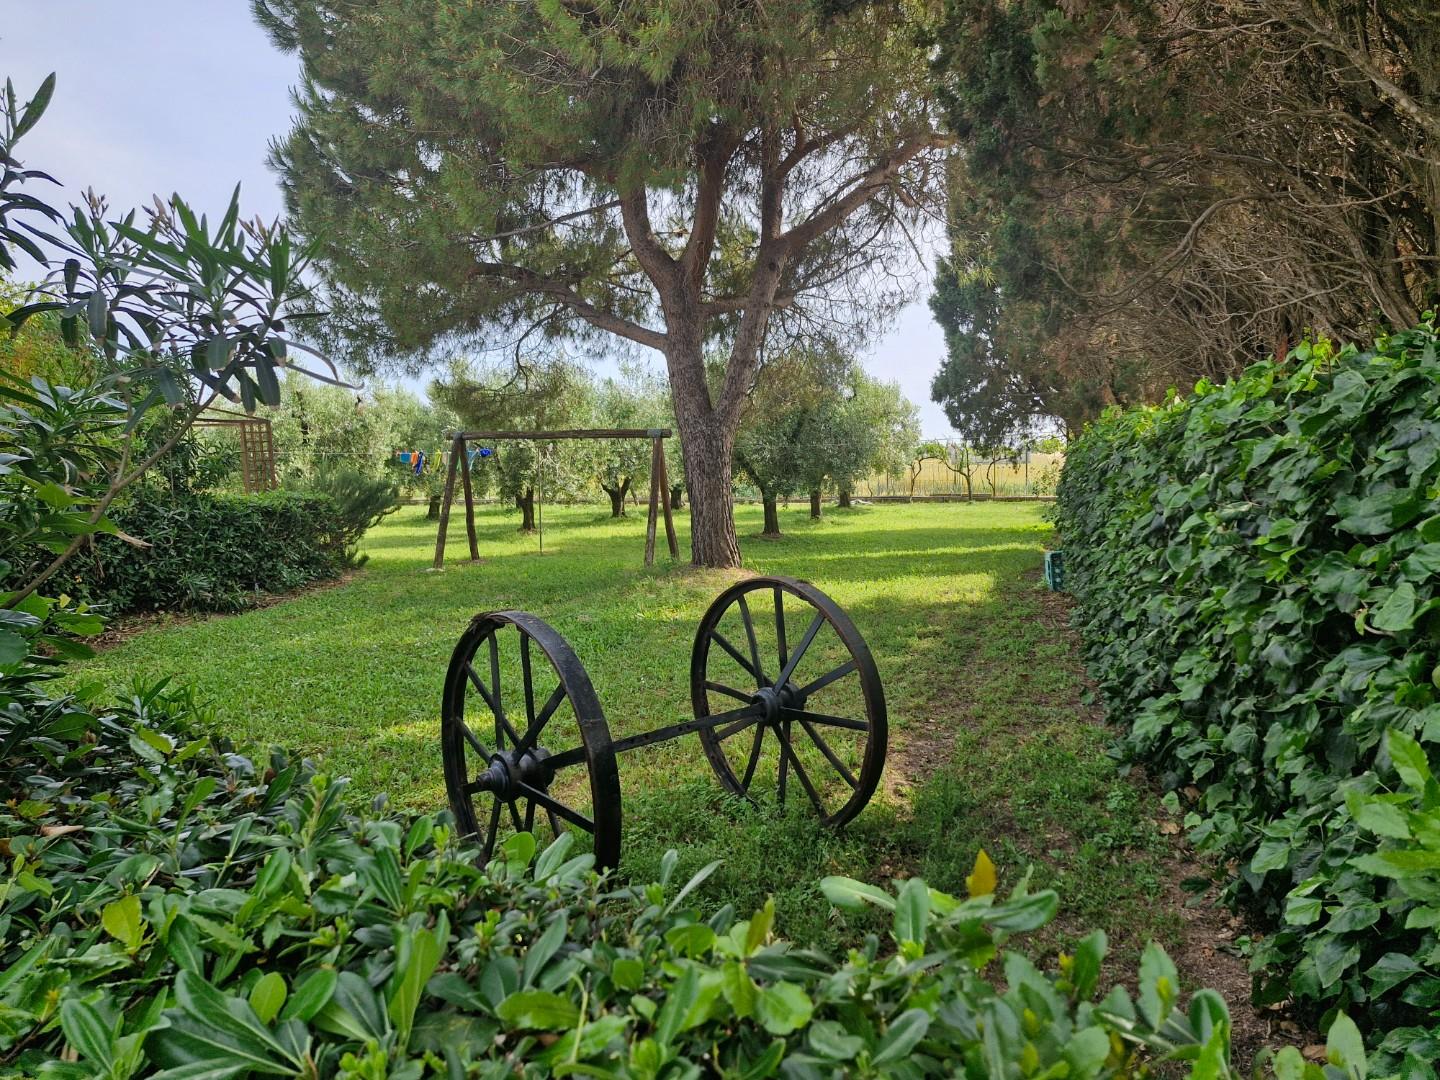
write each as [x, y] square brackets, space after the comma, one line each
[963, 472]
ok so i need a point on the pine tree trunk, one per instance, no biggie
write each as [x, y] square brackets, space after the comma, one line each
[432, 512]
[845, 498]
[677, 496]
[815, 505]
[526, 505]
[708, 440]
[712, 504]
[772, 515]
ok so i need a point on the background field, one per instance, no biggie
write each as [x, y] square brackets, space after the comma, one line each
[989, 742]
[1033, 474]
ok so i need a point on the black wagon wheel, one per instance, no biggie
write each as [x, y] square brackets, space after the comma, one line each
[783, 644]
[519, 720]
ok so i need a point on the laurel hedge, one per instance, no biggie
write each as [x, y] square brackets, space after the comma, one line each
[211, 552]
[1256, 570]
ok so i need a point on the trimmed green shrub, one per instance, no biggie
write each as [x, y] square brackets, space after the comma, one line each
[1256, 573]
[172, 908]
[213, 552]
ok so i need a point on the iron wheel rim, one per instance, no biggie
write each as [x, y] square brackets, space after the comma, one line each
[467, 755]
[791, 722]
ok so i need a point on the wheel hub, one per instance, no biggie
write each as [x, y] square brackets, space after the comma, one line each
[773, 699]
[508, 770]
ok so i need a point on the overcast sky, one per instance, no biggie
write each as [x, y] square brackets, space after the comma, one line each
[159, 96]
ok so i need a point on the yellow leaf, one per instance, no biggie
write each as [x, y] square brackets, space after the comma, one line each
[123, 922]
[981, 881]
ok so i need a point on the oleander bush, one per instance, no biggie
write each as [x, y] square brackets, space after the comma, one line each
[170, 907]
[213, 551]
[1256, 570]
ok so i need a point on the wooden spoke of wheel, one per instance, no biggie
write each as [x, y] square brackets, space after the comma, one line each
[728, 691]
[473, 740]
[491, 696]
[537, 725]
[780, 648]
[754, 760]
[558, 808]
[822, 718]
[828, 678]
[758, 669]
[502, 722]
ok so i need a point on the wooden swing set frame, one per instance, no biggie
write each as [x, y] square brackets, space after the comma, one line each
[460, 463]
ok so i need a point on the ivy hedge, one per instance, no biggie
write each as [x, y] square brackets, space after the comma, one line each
[1256, 570]
[172, 908]
[212, 552]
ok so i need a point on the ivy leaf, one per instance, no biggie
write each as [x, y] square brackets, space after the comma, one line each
[1390, 971]
[1378, 513]
[1397, 611]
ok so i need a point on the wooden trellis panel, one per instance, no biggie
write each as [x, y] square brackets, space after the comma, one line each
[257, 448]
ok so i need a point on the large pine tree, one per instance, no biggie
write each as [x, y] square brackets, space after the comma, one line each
[684, 175]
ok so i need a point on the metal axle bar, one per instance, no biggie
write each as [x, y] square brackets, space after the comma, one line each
[674, 731]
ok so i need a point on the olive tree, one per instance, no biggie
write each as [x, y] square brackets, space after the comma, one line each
[887, 428]
[621, 466]
[537, 396]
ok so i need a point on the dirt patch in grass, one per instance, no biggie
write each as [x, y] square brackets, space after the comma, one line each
[1207, 954]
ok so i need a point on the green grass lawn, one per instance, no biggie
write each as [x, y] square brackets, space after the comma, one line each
[989, 743]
